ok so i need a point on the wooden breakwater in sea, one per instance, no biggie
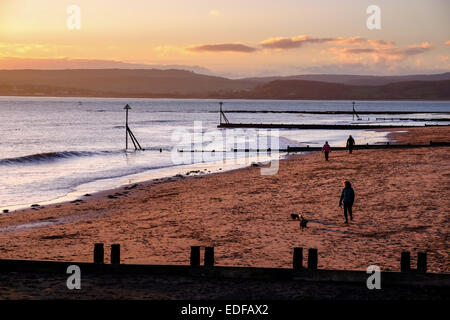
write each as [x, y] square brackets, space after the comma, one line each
[408, 276]
[307, 148]
[415, 119]
[336, 112]
[372, 147]
[227, 125]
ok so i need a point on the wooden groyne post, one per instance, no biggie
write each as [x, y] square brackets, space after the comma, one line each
[127, 107]
[312, 259]
[422, 262]
[195, 256]
[209, 257]
[405, 261]
[99, 253]
[298, 259]
[115, 254]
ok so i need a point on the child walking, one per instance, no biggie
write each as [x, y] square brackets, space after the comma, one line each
[326, 149]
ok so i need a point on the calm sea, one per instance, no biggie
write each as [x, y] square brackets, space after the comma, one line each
[57, 149]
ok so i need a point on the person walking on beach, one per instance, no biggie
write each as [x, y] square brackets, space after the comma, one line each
[326, 149]
[347, 197]
[350, 143]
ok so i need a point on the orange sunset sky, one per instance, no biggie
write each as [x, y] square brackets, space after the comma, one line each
[231, 38]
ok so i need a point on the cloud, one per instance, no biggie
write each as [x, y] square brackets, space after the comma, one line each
[291, 43]
[166, 51]
[353, 40]
[380, 43]
[416, 49]
[388, 52]
[19, 50]
[222, 47]
[358, 50]
[365, 69]
[297, 42]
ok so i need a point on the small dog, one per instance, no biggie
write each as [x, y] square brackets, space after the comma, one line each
[303, 222]
[295, 216]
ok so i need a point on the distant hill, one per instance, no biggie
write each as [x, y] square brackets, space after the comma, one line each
[301, 89]
[187, 84]
[114, 82]
[77, 64]
[357, 79]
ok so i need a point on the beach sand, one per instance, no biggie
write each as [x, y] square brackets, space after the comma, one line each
[402, 201]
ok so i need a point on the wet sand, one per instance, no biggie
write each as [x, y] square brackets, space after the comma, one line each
[402, 201]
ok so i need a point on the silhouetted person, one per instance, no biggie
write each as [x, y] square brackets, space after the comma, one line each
[350, 144]
[326, 149]
[347, 197]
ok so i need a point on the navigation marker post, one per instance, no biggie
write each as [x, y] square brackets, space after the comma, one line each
[222, 115]
[354, 113]
[128, 131]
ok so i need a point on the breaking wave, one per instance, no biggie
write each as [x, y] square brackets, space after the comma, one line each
[52, 156]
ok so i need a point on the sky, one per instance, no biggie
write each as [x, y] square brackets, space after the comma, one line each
[231, 38]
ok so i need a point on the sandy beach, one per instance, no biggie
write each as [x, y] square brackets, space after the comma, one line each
[402, 201]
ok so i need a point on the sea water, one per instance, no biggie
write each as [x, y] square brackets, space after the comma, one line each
[57, 149]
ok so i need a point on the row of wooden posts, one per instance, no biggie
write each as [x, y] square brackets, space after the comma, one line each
[99, 256]
[99, 253]
[405, 261]
[297, 261]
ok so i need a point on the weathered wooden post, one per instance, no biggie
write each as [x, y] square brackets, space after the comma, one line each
[222, 115]
[405, 261]
[115, 254]
[220, 112]
[312, 259]
[127, 107]
[195, 256]
[422, 262]
[99, 253]
[130, 133]
[353, 111]
[209, 257]
[298, 258]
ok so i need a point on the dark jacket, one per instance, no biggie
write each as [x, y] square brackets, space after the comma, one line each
[347, 196]
[350, 142]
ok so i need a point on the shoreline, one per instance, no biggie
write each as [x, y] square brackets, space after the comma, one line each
[142, 177]
[113, 184]
[157, 221]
